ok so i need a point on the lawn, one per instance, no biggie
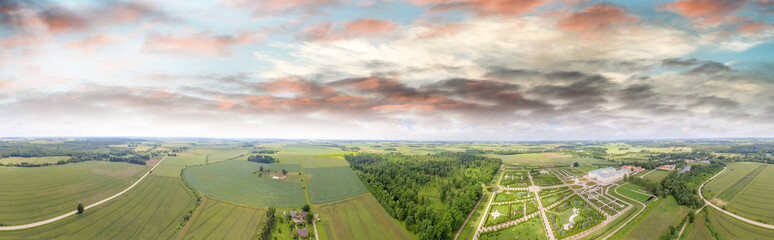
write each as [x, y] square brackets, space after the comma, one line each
[515, 179]
[32, 194]
[587, 168]
[656, 218]
[657, 175]
[508, 196]
[216, 219]
[151, 210]
[360, 218]
[585, 219]
[333, 184]
[735, 172]
[731, 228]
[531, 229]
[234, 181]
[754, 201]
[629, 191]
[35, 160]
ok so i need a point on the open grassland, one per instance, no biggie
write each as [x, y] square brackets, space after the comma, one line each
[313, 160]
[581, 160]
[699, 230]
[360, 218]
[217, 219]
[151, 210]
[32, 194]
[304, 148]
[531, 229]
[35, 160]
[754, 201]
[333, 184]
[732, 191]
[633, 191]
[656, 218]
[730, 228]
[657, 175]
[234, 181]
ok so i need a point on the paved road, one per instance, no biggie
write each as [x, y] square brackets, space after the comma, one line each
[756, 223]
[60, 217]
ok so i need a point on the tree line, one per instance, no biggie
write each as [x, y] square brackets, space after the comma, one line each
[262, 159]
[402, 183]
[684, 186]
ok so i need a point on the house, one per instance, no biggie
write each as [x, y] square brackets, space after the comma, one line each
[668, 167]
[302, 233]
[689, 160]
[685, 169]
[297, 216]
[543, 171]
[605, 176]
[639, 169]
[631, 168]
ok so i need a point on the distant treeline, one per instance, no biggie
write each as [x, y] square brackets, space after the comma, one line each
[508, 152]
[398, 182]
[683, 186]
[77, 150]
[262, 159]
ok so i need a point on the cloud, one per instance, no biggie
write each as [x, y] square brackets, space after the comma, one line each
[753, 27]
[54, 18]
[706, 12]
[483, 7]
[711, 68]
[275, 7]
[597, 18]
[197, 44]
[359, 28]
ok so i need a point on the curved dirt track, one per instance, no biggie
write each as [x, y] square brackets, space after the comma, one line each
[756, 223]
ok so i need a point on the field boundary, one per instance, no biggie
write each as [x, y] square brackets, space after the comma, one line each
[756, 223]
[63, 216]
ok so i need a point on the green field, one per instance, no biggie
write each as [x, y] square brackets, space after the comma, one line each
[35, 160]
[754, 200]
[633, 191]
[731, 192]
[305, 148]
[531, 229]
[32, 194]
[151, 210]
[333, 184]
[587, 168]
[313, 160]
[217, 219]
[699, 230]
[731, 228]
[656, 218]
[735, 172]
[657, 175]
[234, 181]
[172, 166]
[580, 160]
[360, 218]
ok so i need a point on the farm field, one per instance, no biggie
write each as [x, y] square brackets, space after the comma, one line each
[234, 181]
[735, 172]
[657, 175]
[732, 191]
[699, 230]
[531, 229]
[333, 184]
[35, 160]
[580, 160]
[216, 219]
[730, 228]
[360, 218]
[633, 191]
[313, 160]
[653, 219]
[622, 148]
[58, 189]
[754, 201]
[307, 148]
[172, 166]
[151, 210]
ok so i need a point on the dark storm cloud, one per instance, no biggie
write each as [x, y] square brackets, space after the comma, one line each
[510, 74]
[715, 102]
[679, 63]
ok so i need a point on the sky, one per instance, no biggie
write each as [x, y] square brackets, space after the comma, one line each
[388, 69]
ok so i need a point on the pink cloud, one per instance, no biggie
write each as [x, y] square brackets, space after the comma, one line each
[54, 18]
[94, 42]
[753, 27]
[596, 18]
[270, 7]
[359, 28]
[484, 7]
[197, 44]
[705, 12]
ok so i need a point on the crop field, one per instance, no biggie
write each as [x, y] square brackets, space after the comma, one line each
[333, 184]
[754, 201]
[172, 166]
[151, 210]
[234, 181]
[623, 148]
[304, 148]
[217, 219]
[531, 229]
[731, 228]
[360, 218]
[31, 194]
[735, 172]
[581, 160]
[313, 160]
[654, 219]
[657, 175]
[699, 230]
[35, 160]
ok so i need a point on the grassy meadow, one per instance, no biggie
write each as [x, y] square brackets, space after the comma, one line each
[733, 174]
[151, 210]
[332, 184]
[730, 228]
[216, 219]
[754, 200]
[58, 189]
[656, 218]
[360, 218]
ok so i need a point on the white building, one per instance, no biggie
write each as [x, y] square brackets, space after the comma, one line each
[607, 175]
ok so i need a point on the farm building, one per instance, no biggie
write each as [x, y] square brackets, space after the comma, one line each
[302, 233]
[669, 167]
[685, 169]
[607, 175]
[543, 171]
[297, 216]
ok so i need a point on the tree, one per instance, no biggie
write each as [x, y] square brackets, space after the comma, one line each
[261, 169]
[284, 172]
[576, 164]
[309, 217]
[80, 208]
[305, 208]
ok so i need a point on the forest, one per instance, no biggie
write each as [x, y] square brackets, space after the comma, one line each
[683, 186]
[397, 182]
[262, 159]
